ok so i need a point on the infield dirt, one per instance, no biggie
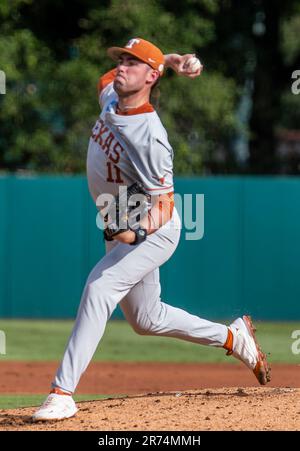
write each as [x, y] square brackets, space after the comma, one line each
[236, 409]
[162, 396]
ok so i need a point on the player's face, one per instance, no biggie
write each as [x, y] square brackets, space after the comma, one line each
[133, 75]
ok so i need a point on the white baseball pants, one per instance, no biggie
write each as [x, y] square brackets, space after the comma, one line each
[129, 275]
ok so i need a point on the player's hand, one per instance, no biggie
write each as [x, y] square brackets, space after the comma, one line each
[178, 64]
[126, 237]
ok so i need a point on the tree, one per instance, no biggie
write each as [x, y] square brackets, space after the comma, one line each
[53, 58]
[257, 42]
[51, 103]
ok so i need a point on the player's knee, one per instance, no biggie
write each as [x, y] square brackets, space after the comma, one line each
[149, 323]
[142, 327]
[92, 290]
[147, 326]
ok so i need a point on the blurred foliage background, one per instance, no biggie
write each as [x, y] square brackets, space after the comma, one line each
[240, 116]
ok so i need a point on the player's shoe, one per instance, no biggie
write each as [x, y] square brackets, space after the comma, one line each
[246, 348]
[56, 407]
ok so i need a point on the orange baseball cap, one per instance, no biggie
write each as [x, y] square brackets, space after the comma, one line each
[141, 49]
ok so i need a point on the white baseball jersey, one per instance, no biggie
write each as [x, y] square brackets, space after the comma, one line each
[124, 149]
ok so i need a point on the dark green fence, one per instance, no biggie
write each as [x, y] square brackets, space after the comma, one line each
[247, 261]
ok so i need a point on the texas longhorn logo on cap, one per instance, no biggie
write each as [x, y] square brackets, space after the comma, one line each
[131, 43]
[141, 49]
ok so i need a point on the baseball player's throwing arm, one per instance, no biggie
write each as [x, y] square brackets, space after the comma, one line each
[187, 65]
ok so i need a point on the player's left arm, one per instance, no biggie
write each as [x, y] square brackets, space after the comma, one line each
[159, 214]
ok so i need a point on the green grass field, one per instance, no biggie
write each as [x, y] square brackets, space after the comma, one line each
[45, 341]
[19, 401]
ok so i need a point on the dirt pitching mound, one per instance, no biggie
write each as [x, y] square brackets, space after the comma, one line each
[198, 410]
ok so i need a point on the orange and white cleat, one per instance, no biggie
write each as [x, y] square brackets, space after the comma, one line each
[246, 348]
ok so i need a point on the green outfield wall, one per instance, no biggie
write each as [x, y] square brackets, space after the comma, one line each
[248, 259]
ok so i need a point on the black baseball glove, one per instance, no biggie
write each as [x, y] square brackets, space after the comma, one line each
[126, 211]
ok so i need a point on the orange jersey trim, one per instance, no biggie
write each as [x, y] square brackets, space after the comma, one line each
[108, 78]
[105, 80]
[145, 108]
[163, 187]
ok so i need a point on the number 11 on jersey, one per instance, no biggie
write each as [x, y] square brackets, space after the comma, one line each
[113, 173]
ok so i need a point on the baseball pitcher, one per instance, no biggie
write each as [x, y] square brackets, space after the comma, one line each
[129, 149]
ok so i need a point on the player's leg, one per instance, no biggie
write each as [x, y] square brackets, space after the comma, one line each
[108, 283]
[148, 315]
[110, 280]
